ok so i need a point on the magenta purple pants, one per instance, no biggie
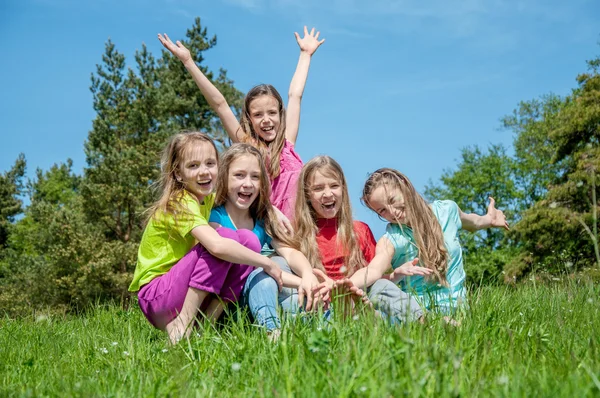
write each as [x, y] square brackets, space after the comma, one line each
[162, 298]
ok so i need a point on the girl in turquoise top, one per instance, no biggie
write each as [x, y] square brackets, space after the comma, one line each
[421, 233]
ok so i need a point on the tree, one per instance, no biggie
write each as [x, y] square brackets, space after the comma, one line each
[560, 231]
[478, 176]
[11, 187]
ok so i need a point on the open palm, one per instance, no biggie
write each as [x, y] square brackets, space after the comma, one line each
[177, 48]
[310, 42]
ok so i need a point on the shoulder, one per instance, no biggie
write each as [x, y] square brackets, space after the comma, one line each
[445, 210]
[217, 213]
[361, 227]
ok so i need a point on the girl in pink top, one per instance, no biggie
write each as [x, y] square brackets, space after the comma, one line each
[265, 123]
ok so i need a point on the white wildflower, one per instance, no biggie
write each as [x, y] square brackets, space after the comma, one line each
[41, 318]
[126, 353]
[556, 279]
[363, 389]
[503, 379]
[103, 350]
[568, 264]
[236, 367]
[553, 205]
[590, 300]
[164, 350]
[114, 343]
[579, 184]
[355, 318]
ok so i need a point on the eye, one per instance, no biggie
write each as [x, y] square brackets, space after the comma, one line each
[335, 186]
[318, 188]
[256, 177]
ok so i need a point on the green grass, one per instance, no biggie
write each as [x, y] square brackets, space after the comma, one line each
[528, 341]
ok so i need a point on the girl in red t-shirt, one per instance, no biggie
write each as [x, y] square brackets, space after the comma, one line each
[337, 246]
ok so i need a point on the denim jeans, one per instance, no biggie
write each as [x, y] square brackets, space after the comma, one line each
[262, 296]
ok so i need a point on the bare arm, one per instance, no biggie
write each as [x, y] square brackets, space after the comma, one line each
[365, 277]
[231, 251]
[300, 265]
[494, 218]
[213, 96]
[308, 45]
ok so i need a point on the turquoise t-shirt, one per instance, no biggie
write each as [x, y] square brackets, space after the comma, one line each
[433, 295]
[220, 216]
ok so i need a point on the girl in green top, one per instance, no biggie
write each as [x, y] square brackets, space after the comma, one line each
[183, 263]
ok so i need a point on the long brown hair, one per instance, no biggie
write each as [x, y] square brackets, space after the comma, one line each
[306, 217]
[261, 209]
[271, 151]
[171, 189]
[426, 228]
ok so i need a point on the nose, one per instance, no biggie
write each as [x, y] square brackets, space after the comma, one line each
[247, 182]
[327, 193]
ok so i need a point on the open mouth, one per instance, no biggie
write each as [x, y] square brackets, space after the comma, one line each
[244, 196]
[267, 129]
[205, 183]
[328, 206]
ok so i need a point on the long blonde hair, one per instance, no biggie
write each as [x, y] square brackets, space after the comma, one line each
[261, 209]
[306, 217]
[171, 189]
[426, 228]
[271, 151]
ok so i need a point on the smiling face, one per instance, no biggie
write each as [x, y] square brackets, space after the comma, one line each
[325, 194]
[243, 181]
[265, 118]
[388, 203]
[197, 170]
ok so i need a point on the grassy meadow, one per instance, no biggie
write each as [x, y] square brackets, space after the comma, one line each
[533, 340]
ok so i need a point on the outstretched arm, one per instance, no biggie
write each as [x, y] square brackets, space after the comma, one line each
[215, 99]
[493, 219]
[384, 253]
[308, 45]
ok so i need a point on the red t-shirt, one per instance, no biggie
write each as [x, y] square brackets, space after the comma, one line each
[332, 256]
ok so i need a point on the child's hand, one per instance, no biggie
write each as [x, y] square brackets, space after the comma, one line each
[307, 285]
[275, 272]
[322, 292]
[178, 50]
[409, 268]
[310, 42]
[283, 221]
[497, 218]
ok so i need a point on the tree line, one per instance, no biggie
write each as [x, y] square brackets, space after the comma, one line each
[75, 244]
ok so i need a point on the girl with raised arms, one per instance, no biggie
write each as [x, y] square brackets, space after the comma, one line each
[242, 202]
[265, 123]
[421, 233]
[175, 276]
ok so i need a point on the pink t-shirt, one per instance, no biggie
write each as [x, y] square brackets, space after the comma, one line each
[284, 187]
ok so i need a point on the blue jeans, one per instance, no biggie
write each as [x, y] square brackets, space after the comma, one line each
[262, 296]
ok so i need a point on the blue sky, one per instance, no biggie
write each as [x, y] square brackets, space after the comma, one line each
[403, 84]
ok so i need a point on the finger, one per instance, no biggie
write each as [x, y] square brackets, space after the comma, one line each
[297, 36]
[492, 204]
[322, 41]
[415, 261]
[319, 274]
[309, 302]
[312, 32]
[300, 296]
[305, 30]
[317, 35]
[167, 37]
[506, 227]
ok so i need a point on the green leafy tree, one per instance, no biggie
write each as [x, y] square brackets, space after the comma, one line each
[11, 187]
[559, 232]
[478, 176]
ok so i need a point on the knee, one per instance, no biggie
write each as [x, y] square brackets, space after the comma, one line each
[383, 285]
[248, 239]
[228, 233]
[280, 261]
[260, 281]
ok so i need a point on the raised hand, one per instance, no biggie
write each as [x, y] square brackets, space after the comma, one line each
[176, 49]
[496, 217]
[310, 42]
[409, 268]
